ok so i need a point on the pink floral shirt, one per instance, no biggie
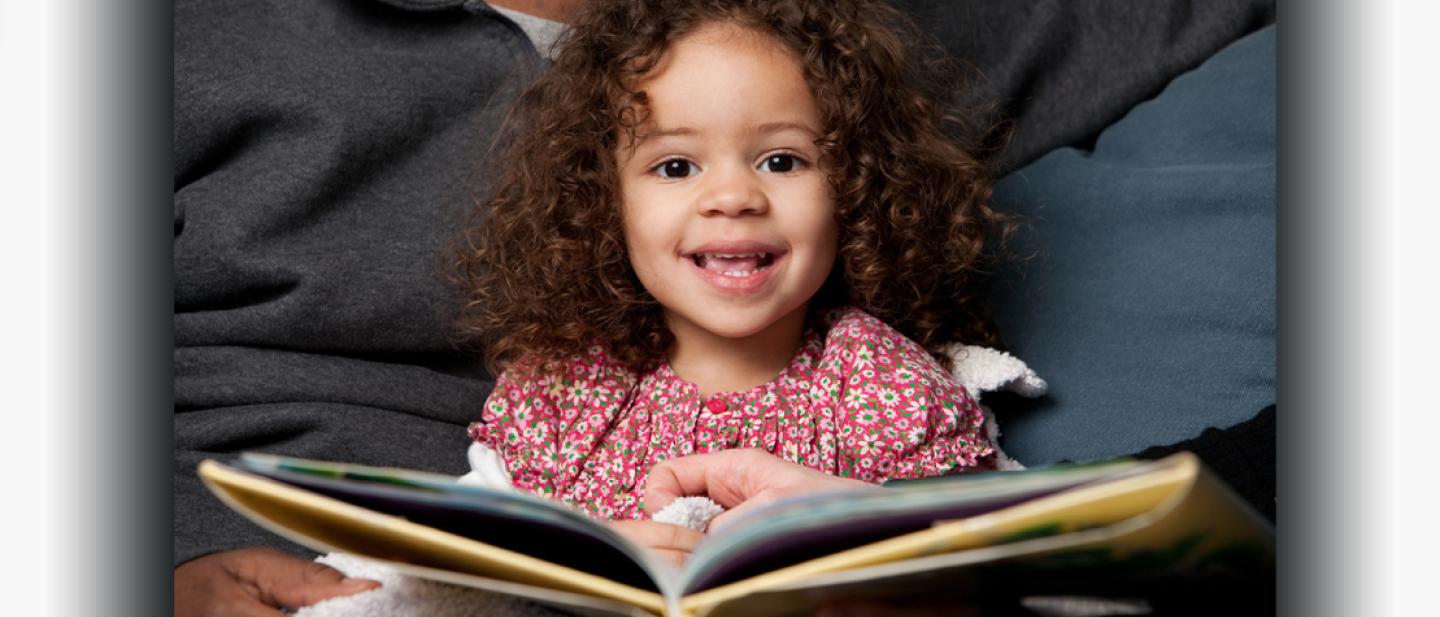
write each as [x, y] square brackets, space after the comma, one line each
[859, 401]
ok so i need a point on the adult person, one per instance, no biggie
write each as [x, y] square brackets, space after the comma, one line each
[326, 151]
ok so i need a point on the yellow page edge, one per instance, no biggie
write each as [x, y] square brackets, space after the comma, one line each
[543, 595]
[222, 480]
[956, 535]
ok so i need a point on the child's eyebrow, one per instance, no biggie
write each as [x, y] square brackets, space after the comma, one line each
[768, 127]
[657, 133]
[776, 127]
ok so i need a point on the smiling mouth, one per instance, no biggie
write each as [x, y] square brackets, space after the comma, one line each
[737, 265]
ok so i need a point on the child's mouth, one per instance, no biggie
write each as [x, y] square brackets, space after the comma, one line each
[737, 265]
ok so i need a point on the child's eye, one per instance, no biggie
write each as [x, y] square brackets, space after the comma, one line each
[675, 168]
[780, 163]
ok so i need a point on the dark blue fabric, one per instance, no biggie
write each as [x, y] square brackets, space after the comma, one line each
[1149, 302]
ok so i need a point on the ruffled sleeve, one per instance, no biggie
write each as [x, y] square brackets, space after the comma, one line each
[902, 414]
[544, 419]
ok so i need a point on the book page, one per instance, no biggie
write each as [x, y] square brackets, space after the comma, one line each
[1198, 537]
[813, 526]
[516, 521]
[327, 524]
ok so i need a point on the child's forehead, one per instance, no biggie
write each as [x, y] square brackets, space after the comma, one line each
[731, 32]
[725, 74]
[722, 38]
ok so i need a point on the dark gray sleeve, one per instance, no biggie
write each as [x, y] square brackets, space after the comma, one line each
[326, 154]
[1063, 70]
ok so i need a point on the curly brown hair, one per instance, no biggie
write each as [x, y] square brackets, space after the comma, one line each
[545, 267]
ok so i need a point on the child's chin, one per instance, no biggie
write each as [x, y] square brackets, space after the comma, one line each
[739, 331]
[734, 326]
[737, 327]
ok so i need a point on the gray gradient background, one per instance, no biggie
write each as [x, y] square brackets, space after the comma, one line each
[112, 536]
[107, 550]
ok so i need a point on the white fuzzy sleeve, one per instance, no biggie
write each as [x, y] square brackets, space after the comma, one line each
[982, 370]
[487, 468]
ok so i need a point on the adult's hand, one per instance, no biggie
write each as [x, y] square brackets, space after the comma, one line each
[672, 542]
[257, 582]
[739, 480]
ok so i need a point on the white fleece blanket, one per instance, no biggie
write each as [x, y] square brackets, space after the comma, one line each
[979, 369]
[406, 596]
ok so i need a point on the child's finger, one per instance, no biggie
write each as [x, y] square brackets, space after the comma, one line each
[755, 502]
[697, 474]
[672, 543]
[676, 558]
[734, 477]
[659, 536]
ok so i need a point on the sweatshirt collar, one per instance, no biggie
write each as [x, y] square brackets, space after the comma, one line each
[428, 5]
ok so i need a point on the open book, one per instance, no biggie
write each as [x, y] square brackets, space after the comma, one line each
[1116, 523]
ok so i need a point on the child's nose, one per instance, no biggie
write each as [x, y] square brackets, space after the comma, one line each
[733, 192]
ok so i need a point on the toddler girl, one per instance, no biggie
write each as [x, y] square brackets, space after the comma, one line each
[728, 224]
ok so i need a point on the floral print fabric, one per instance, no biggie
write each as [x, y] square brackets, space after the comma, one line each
[858, 400]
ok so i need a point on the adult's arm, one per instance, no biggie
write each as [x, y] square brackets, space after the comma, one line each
[325, 155]
[1063, 71]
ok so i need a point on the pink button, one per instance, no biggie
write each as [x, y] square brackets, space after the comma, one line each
[716, 405]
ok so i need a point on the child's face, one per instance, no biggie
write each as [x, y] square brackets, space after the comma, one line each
[728, 218]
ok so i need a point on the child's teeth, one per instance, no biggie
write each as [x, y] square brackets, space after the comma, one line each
[731, 264]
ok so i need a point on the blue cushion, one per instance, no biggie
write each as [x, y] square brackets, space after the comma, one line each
[1149, 302]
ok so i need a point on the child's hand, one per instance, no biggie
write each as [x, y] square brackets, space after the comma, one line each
[739, 480]
[256, 582]
[673, 542]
